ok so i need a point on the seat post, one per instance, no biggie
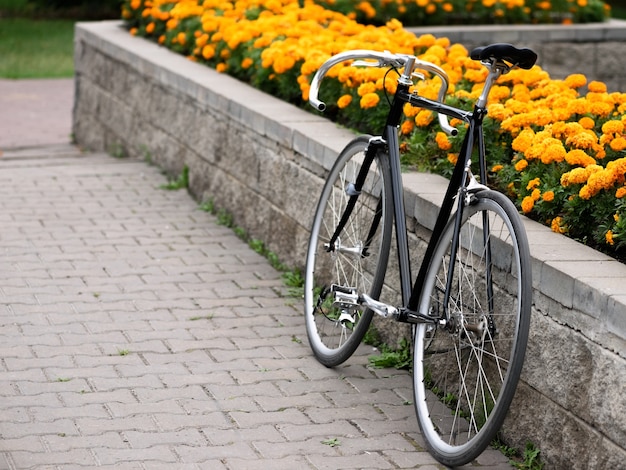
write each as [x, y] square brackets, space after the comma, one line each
[496, 69]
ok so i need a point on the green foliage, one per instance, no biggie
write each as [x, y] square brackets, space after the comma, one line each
[181, 182]
[531, 458]
[464, 12]
[334, 442]
[398, 358]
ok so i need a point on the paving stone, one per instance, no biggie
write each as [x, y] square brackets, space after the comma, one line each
[135, 332]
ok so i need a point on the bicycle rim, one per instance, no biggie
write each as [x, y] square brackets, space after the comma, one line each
[465, 374]
[336, 329]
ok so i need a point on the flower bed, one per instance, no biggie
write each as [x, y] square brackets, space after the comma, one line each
[557, 151]
[427, 13]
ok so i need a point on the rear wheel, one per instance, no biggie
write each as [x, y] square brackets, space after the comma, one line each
[466, 372]
[355, 263]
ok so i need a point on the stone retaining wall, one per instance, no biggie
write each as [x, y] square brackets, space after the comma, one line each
[264, 161]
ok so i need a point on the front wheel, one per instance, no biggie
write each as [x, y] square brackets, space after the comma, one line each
[355, 263]
[466, 371]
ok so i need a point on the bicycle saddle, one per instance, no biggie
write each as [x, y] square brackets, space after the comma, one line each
[523, 58]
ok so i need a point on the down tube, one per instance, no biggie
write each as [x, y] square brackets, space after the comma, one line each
[399, 215]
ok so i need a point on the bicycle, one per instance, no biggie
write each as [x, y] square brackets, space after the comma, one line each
[469, 306]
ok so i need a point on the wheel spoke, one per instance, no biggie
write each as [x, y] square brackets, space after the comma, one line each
[334, 338]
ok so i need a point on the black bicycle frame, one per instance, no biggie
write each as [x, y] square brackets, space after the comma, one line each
[389, 145]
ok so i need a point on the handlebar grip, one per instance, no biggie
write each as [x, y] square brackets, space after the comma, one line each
[317, 104]
[445, 125]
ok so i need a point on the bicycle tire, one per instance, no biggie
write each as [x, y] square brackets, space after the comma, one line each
[465, 375]
[333, 337]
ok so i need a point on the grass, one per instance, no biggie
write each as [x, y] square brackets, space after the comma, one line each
[36, 48]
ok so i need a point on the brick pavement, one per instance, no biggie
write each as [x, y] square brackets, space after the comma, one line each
[136, 332]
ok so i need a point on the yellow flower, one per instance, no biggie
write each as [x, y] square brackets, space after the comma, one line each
[366, 88]
[557, 225]
[521, 165]
[423, 118]
[208, 52]
[535, 195]
[576, 80]
[369, 100]
[527, 204]
[609, 237]
[587, 122]
[579, 157]
[442, 141]
[532, 184]
[613, 127]
[407, 126]
[618, 144]
[597, 87]
[344, 101]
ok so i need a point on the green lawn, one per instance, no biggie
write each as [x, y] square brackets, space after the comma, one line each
[36, 48]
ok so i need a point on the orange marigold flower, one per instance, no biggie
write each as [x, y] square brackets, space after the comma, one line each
[576, 80]
[620, 193]
[618, 144]
[496, 168]
[344, 101]
[585, 192]
[548, 196]
[369, 100]
[527, 204]
[133, 31]
[522, 164]
[597, 87]
[554, 152]
[221, 67]
[407, 126]
[613, 127]
[453, 158]
[536, 194]
[423, 118]
[557, 225]
[609, 237]
[150, 27]
[523, 141]
[587, 122]
[579, 157]
[366, 88]
[442, 141]
[246, 63]
[583, 140]
[532, 184]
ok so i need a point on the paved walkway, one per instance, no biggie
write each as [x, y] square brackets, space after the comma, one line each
[136, 332]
